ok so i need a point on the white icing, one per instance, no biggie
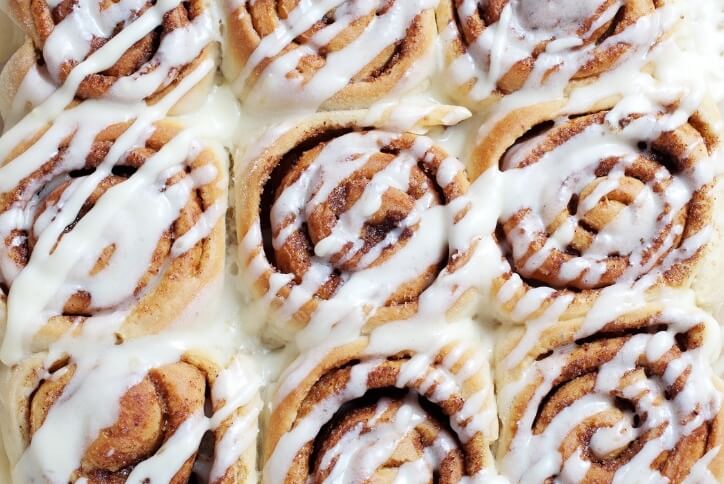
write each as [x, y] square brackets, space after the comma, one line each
[58, 268]
[564, 27]
[361, 451]
[142, 208]
[278, 88]
[697, 402]
[104, 369]
[498, 193]
[102, 375]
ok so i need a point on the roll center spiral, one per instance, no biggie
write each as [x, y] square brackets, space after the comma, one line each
[350, 202]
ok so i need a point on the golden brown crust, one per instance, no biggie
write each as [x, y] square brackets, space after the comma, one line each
[249, 24]
[11, 76]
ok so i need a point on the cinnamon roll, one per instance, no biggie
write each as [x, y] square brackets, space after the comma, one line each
[628, 399]
[596, 200]
[121, 224]
[497, 47]
[132, 50]
[362, 416]
[338, 221]
[335, 55]
[144, 411]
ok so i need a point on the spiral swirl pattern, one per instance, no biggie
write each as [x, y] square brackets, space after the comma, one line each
[150, 412]
[361, 416]
[181, 257]
[541, 40]
[66, 33]
[331, 204]
[635, 398]
[337, 55]
[179, 397]
[608, 205]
